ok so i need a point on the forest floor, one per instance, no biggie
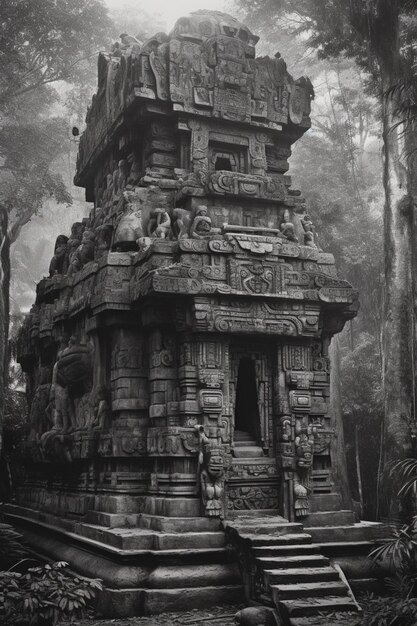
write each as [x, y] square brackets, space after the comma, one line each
[215, 616]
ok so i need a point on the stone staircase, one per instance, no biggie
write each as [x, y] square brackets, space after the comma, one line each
[245, 446]
[283, 568]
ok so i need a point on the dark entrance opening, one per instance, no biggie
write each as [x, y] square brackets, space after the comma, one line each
[223, 163]
[246, 407]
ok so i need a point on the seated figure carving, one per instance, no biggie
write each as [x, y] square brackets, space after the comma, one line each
[57, 262]
[159, 224]
[84, 253]
[309, 236]
[128, 230]
[182, 223]
[287, 227]
[201, 226]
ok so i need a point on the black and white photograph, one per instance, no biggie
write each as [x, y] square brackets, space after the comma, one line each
[208, 312]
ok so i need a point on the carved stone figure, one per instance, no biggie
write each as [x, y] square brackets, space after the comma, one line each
[309, 237]
[103, 239]
[159, 224]
[287, 227]
[123, 173]
[182, 223]
[134, 174]
[211, 463]
[201, 226]
[74, 241]
[57, 262]
[128, 231]
[84, 253]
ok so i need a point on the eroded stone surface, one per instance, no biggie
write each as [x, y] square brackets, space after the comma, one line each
[177, 355]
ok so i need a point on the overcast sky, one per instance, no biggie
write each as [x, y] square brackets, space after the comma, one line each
[170, 10]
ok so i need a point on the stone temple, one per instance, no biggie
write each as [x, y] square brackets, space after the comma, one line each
[181, 438]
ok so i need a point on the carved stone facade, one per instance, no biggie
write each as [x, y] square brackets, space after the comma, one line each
[194, 295]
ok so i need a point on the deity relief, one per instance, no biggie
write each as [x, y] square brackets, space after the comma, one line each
[182, 223]
[287, 227]
[128, 231]
[57, 262]
[84, 253]
[201, 226]
[309, 236]
[159, 224]
[212, 475]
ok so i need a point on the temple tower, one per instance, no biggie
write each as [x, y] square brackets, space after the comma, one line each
[177, 356]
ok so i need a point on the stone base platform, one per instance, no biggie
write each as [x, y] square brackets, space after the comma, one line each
[161, 565]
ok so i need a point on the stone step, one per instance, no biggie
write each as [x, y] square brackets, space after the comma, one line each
[144, 539]
[275, 540]
[291, 550]
[293, 591]
[250, 443]
[269, 528]
[341, 619]
[113, 520]
[363, 531]
[313, 606]
[301, 575]
[242, 434]
[342, 517]
[286, 562]
[263, 517]
[179, 524]
[248, 452]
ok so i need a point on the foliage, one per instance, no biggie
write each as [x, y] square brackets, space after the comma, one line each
[396, 610]
[399, 550]
[11, 549]
[43, 595]
[43, 41]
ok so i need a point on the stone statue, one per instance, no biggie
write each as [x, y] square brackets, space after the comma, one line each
[62, 410]
[108, 192]
[309, 237]
[159, 224]
[123, 173]
[287, 227]
[84, 253]
[211, 463]
[74, 241]
[201, 226]
[182, 223]
[58, 260]
[128, 230]
[134, 174]
[103, 239]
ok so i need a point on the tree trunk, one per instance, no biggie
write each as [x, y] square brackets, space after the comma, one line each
[397, 325]
[4, 312]
[358, 469]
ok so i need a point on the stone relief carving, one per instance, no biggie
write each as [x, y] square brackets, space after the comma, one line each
[197, 239]
[211, 474]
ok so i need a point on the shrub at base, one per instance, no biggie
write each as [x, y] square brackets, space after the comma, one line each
[43, 595]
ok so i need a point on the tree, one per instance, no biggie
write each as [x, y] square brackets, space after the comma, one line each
[380, 36]
[41, 42]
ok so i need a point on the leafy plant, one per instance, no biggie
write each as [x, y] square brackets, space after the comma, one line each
[43, 595]
[11, 549]
[395, 610]
[400, 550]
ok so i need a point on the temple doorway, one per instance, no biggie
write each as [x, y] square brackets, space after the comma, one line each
[246, 401]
